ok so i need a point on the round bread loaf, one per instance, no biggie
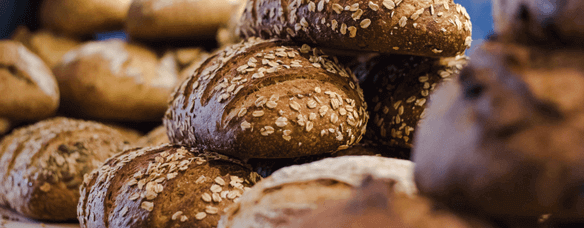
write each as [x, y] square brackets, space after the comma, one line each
[48, 46]
[294, 191]
[375, 205]
[154, 138]
[83, 18]
[264, 99]
[510, 130]
[542, 22]
[116, 81]
[42, 165]
[194, 62]
[164, 186]
[410, 27]
[28, 88]
[396, 89]
[177, 19]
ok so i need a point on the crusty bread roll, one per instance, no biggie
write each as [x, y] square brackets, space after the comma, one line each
[509, 130]
[47, 45]
[42, 165]
[114, 80]
[85, 17]
[28, 88]
[163, 186]
[177, 19]
[409, 27]
[264, 99]
[396, 90]
[294, 191]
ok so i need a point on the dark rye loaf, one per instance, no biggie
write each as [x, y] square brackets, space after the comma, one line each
[163, 186]
[409, 27]
[264, 99]
[42, 165]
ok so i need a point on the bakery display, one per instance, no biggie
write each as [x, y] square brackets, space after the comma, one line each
[294, 191]
[396, 89]
[83, 18]
[268, 99]
[177, 19]
[42, 165]
[408, 27]
[115, 80]
[28, 87]
[163, 186]
[513, 113]
[49, 46]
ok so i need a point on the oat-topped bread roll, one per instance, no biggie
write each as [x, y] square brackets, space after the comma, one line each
[396, 89]
[374, 204]
[178, 19]
[83, 17]
[115, 80]
[29, 90]
[154, 138]
[268, 99]
[542, 22]
[42, 165]
[410, 27]
[163, 186]
[510, 130]
[294, 191]
[47, 45]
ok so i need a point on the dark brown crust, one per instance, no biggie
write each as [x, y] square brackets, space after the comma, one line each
[397, 88]
[308, 105]
[107, 198]
[412, 27]
[42, 165]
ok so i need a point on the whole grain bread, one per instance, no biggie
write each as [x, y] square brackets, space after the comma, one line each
[114, 80]
[42, 165]
[294, 191]
[409, 27]
[509, 129]
[28, 90]
[163, 186]
[268, 99]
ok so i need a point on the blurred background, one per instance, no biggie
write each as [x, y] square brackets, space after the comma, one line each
[23, 12]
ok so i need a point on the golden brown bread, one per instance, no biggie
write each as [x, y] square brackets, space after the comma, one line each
[28, 87]
[42, 165]
[115, 80]
[154, 138]
[409, 27]
[509, 129]
[47, 45]
[163, 186]
[265, 99]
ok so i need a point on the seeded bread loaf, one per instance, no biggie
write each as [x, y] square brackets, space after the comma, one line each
[47, 45]
[396, 89]
[83, 18]
[294, 191]
[163, 186]
[114, 80]
[510, 130]
[28, 88]
[410, 27]
[540, 22]
[264, 99]
[177, 19]
[42, 165]
[154, 138]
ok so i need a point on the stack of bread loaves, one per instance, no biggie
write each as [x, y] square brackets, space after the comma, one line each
[506, 138]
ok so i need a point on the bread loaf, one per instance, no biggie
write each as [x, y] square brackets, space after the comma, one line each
[83, 18]
[509, 130]
[409, 27]
[29, 90]
[42, 165]
[264, 99]
[396, 89]
[154, 138]
[294, 191]
[163, 186]
[47, 45]
[115, 80]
